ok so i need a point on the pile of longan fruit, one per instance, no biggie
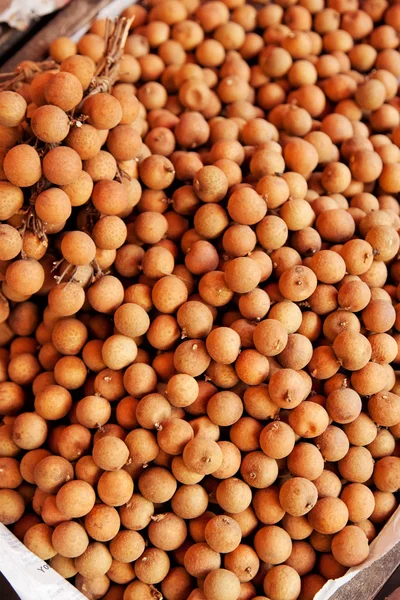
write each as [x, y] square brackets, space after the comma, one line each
[200, 298]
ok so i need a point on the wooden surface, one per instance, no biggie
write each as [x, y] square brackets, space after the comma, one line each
[65, 22]
[369, 584]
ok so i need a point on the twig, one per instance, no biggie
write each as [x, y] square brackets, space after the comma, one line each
[25, 73]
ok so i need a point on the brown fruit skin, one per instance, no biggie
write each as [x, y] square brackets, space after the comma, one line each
[350, 546]
[386, 474]
[282, 582]
[329, 515]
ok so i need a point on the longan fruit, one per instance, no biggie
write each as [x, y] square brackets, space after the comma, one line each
[10, 476]
[52, 472]
[167, 531]
[93, 411]
[298, 496]
[378, 316]
[386, 474]
[8, 446]
[306, 461]
[178, 583]
[223, 345]
[197, 526]
[252, 367]
[29, 462]
[332, 443]
[225, 408]
[183, 474]
[157, 484]
[302, 558]
[12, 506]
[136, 511]
[259, 470]
[102, 523]
[297, 527]
[191, 358]
[328, 485]
[362, 431]
[82, 67]
[95, 586]
[110, 453]
[95, 561]
[12, 200]
[25, 276]
[22, 167]
[12, 398]
[329, 515]
[127, 546]
[282, 582]
[359, 500]
[242, 274]
[142, 446]
[384, 408]
[202, 456]
[195, 319]
[63, 565]
[73, 441]
[383, 347]
[50, 124]
[169, 293]
[233, 495]
[29, 430]
[119, 351]
[80, 190]
[258, 403]
[350, 546]
[277, 439]
[383, 445]
[102, 166]
[75, 499]
[104, 111]
[115, 488]
[270, 337]
[174, 436]
[182, 390]
[62, 165]
[357, 466]
[343, 405]
[230, 461]
[87, 470]
[385, 505]
[38, 539]
[267, 506]
[368, 528]
[330, 567]
[152, 411]
[286, 388]
[221, 584]
[338, 322]
[309, 419]
[354, 296]
[50, 513]
[288, 313]
[200, 560]
[70, 372]
[297, 283]
[245, 434]
[13, 108]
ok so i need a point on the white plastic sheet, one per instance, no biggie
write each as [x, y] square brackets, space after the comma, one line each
[31, 577]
